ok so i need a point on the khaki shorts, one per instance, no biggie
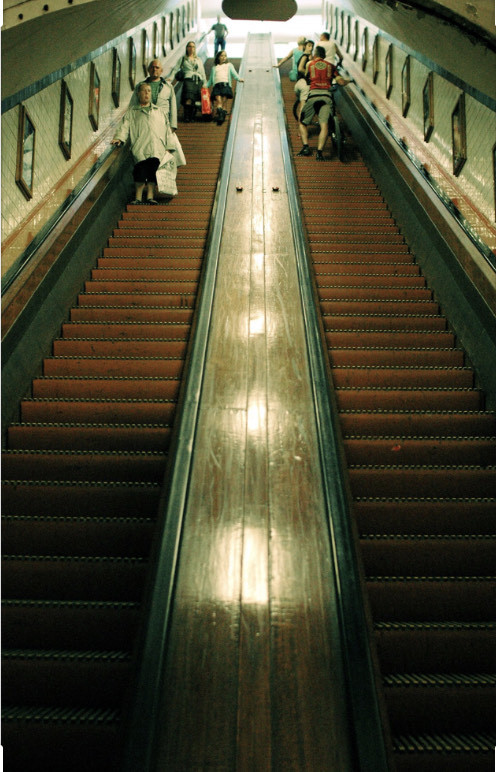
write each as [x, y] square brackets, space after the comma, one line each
[302, 89]
[319, 105]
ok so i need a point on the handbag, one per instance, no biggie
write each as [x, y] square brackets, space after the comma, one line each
[206, 105]
[180, 73]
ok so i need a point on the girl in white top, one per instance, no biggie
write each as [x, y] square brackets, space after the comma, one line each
[221, 79]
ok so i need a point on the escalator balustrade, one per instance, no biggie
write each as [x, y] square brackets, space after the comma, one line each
[420, 450]
[82, 476]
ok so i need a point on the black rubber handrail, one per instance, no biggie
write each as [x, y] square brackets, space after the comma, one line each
[359, 677]
[464, 224]
[143, 731]
[76, 196]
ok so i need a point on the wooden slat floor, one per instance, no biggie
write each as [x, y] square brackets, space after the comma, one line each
[253, 670]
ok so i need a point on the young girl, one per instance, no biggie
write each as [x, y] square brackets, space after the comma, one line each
[221, 78]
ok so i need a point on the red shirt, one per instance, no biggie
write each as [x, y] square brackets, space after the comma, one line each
[320, 74]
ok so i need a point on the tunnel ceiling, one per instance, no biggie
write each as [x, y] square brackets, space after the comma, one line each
[44, 41]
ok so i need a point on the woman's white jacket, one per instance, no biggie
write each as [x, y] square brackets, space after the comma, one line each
[148, 131]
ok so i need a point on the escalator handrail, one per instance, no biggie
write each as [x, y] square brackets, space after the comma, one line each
[366, 718]
[484, 249]
[76, 197]
[142, 728]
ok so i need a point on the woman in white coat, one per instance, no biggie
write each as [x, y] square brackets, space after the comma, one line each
[150, 137]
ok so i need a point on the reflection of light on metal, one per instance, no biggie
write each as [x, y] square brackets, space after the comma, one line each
[257, 324]
[225, 566]
[258, 260]
[256, 416]
[255, 577]
[239, 558]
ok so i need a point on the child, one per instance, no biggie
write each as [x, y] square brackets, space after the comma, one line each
[221, 78]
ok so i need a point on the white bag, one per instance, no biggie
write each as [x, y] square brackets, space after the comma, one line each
[166, 175]
[178, 151]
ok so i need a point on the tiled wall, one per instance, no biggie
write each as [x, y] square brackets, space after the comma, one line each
[473, 188]
[53, 180]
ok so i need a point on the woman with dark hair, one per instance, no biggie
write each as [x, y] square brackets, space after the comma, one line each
[302, 87]
[221, 77]
[191, 72]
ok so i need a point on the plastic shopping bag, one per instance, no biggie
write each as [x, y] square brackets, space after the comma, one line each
[206, 105]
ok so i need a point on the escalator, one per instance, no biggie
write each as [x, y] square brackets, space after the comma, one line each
[420, 451]
[82, 476]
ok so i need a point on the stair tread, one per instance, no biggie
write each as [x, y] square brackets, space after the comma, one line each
[431, 578]
[87, 424]
[430, 537]
[439, 679]
[60, 714]
[41, 603]
[444, 743]
[85, 453]
[381, 625]
[68, 654]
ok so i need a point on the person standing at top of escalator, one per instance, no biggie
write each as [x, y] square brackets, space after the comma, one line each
[330, 47]
[163, 95]
[220, 32]
[191, 72]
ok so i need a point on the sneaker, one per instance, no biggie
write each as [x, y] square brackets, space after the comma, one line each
[319, 156]
[305, 150]
[136, 201]
[151, 201]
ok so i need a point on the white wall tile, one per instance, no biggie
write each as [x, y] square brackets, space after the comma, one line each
[50, 163]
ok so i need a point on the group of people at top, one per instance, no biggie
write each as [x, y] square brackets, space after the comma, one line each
[151, 119]
[191, 72]
[314, 73]
[150, 122]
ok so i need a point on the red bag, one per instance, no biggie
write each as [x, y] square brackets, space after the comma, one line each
[206, 105]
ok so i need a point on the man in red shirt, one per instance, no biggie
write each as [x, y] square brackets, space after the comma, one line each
[320, 74]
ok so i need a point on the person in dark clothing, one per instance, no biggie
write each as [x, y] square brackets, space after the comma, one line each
[220, 32]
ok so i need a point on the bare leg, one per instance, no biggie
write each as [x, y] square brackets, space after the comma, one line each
[218, 101]
[324, 133]
[303, 133]
[150, 191]
[138, 190]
